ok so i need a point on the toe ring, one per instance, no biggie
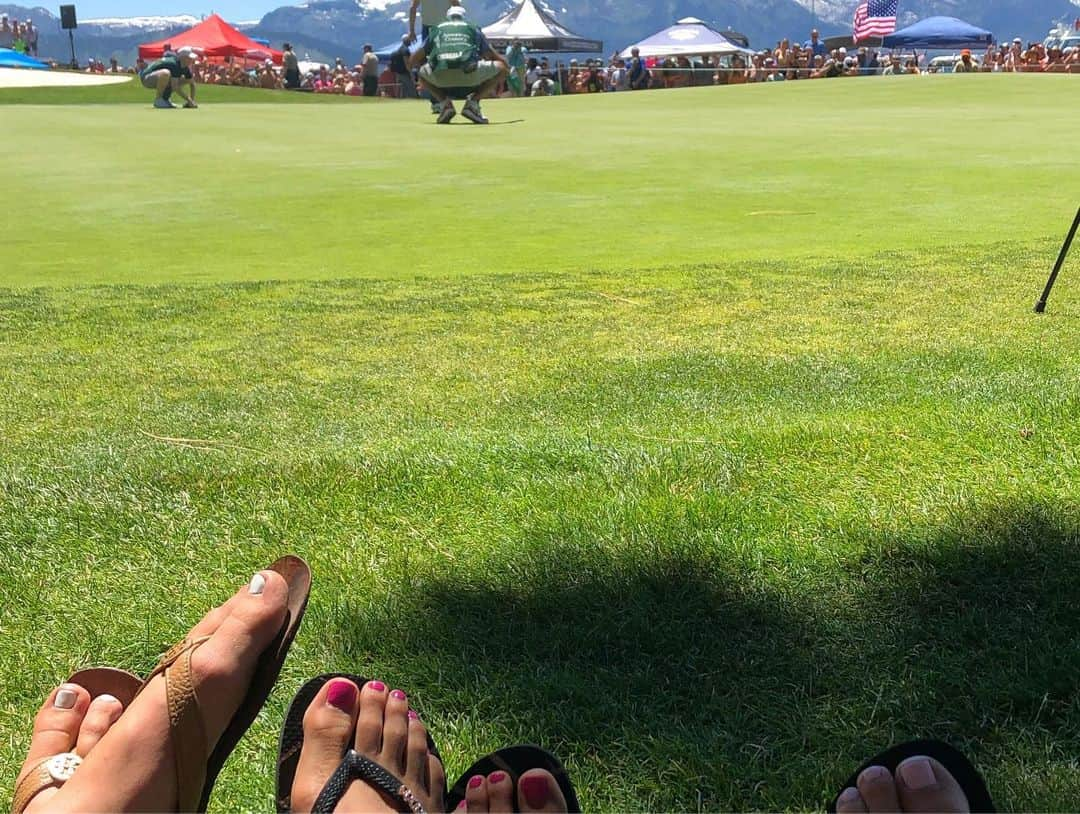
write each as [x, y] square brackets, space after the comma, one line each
[49, 773]
[61, 767]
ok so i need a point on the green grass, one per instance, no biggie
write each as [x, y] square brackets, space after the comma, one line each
[133, 92]
[705, 437]
[797, 173]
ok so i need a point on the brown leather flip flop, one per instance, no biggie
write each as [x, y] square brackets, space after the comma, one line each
[120, 684]
[55, 770]
[195, 772]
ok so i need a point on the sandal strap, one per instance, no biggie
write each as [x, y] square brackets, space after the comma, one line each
[186, 727]
[45, 774]
[355, 766]
[172, 655]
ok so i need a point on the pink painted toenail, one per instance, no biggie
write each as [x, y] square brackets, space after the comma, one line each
[535, 789]
[378, 686]
[398, 694]
[461, 805]
[413, 716]
[342, 694]
[917, 774]
[65, 699]
[496, 777]
[476, 781]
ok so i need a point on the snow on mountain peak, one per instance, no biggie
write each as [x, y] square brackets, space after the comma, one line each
[148, 23]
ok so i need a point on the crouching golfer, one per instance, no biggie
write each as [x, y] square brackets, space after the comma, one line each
[171, 73]
[459, 61]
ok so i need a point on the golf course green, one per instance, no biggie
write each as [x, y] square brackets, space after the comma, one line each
[705, 437]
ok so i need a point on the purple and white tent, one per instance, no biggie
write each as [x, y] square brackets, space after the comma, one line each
[538, 31]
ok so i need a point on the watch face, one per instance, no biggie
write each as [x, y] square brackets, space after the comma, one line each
[62, 767]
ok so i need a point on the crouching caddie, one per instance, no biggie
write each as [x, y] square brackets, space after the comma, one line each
[459, 61]
[171, 73]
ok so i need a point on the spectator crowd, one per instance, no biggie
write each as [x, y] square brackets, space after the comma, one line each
[227, 72]
[21, 37]
[790, 61]
[786, 62]
[539, 76]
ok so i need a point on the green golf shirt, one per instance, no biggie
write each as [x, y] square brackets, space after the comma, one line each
[172, 64]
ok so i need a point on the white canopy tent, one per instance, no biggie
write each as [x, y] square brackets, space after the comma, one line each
[688, 37]
[538, 31]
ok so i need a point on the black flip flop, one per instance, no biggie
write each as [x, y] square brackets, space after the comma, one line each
[353, 766]
[515, 761]
[967, 776]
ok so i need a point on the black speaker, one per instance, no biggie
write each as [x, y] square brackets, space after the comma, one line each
[67, 18]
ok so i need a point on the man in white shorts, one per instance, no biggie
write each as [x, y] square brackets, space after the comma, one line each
[432, 12]
[458, 60]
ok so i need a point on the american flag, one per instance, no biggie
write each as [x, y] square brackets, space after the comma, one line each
[875, 18]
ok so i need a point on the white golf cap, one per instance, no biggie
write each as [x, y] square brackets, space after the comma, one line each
[455, 11]
[187, 51]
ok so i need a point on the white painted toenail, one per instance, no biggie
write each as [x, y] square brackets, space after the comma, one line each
[258, 582]
[108, 699]
[65, 699]
[917, 774]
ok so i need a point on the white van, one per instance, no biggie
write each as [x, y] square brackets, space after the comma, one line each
[945, 64]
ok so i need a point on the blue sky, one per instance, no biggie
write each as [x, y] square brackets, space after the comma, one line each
[232, 10]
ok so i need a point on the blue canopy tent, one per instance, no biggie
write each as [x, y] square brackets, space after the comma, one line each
[688, 37]
[944, 33]
[13, 59]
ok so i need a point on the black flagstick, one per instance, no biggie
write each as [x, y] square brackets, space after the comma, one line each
[1040, 306]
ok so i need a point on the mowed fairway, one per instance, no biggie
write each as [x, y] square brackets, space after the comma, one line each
[705, 437]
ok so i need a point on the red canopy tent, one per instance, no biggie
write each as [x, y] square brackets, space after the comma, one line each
[213, 38]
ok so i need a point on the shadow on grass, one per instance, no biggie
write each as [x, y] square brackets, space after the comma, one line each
[709, 680]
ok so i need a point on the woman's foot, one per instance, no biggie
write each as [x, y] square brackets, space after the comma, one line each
[920, 784]
[536, 791]
[377, 723]
[129, 763]
[69, 722]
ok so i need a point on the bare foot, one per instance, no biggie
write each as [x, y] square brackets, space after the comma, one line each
[920, 784]
[378, 725]
[129, 761]
[537, 791]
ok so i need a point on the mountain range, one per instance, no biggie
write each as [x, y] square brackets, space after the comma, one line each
[324, 29]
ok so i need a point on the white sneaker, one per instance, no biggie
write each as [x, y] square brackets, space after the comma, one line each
[164, 104]
[471, 111]
[446, 112]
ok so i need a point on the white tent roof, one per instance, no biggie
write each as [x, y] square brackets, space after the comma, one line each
[537, 30]
[688, 37]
